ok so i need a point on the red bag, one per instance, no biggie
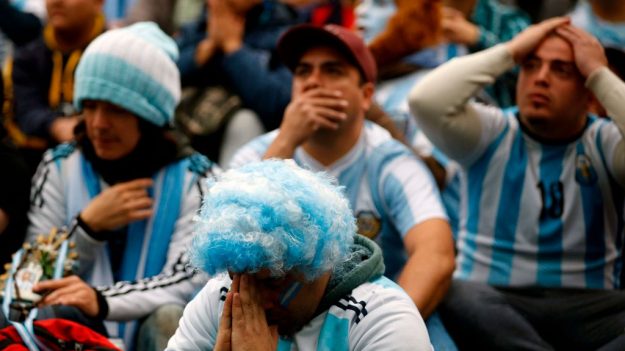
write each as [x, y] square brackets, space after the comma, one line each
[57, 335]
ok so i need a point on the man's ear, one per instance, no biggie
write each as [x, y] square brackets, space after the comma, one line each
[368, 89]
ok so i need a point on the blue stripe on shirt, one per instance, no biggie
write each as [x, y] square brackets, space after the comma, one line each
[592, 204]
[550, 225]
[475, 183]
[618, 200]
[508, 212]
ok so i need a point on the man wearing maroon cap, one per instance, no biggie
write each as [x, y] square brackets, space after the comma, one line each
[391, 192]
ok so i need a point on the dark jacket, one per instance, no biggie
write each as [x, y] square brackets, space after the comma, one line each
[254, 72]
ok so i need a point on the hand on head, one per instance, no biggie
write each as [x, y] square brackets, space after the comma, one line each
[119, 205]
[589, 54]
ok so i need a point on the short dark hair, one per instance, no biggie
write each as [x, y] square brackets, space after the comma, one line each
[616, 61]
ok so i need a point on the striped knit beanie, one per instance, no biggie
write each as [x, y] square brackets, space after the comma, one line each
[133, 68]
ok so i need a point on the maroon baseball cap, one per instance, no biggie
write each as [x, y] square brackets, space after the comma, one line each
[297, 40]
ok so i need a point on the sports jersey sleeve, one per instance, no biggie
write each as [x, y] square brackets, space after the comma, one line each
[253, 151]
[610, 91]
[392, 323]
[441, 104]
[410, 193]
[177, 282]
[47, 205]
[198, 326]
[48, 209]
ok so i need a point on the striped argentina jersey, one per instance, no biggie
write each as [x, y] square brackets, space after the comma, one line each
[389, 189]
[376, 315]
[538, 214]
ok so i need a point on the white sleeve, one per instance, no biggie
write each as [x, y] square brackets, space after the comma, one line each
[254, 150]
[198, 326]
[47, 204]
[392, 323]
[610, 91]
[246, 154]
[440, 102]
[410, 193]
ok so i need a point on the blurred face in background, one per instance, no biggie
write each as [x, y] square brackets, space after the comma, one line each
[372, 16]
[70, 15]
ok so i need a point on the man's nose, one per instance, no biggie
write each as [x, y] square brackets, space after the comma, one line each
[313, 80]
[543, 75]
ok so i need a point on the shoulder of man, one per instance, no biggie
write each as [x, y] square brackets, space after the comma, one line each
[366, 297]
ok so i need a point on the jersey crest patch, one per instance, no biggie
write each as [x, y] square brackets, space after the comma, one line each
[584, 172]
[368, 224]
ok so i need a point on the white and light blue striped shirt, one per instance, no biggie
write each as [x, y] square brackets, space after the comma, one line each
[542, 214]
[389, 189]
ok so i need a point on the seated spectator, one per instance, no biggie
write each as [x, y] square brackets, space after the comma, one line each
[43, 71]
[605, 19]
[232, 47]
[481, 24]
[404, 39]
[128, 190]
[540, 250]
[14, 190]
[391, 192]
[300, 276]
[19, 24]
[170, 15]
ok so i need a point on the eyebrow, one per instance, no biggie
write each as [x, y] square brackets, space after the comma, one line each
[559, 61]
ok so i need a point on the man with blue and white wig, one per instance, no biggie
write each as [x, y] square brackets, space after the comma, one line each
[290, 270]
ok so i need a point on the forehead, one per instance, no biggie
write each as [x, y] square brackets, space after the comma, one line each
[554, 48]
[323, 54]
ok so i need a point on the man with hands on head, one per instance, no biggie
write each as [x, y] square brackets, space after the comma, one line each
[126, 188]
[539, 259]
[289, 270]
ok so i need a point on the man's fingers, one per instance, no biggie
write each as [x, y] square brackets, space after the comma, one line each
[54, 284]
[226, 316]
[60, 296]
[333, 102]
[330, 114]
[553, 23]
[322, 92]
[244, 292]
[142, 203]
[134, 194]
[137, 215]
[140, 183]
[236, 281]
[238, 319]
[450, 12]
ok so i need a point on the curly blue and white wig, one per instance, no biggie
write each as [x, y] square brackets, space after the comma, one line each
[273, 215]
